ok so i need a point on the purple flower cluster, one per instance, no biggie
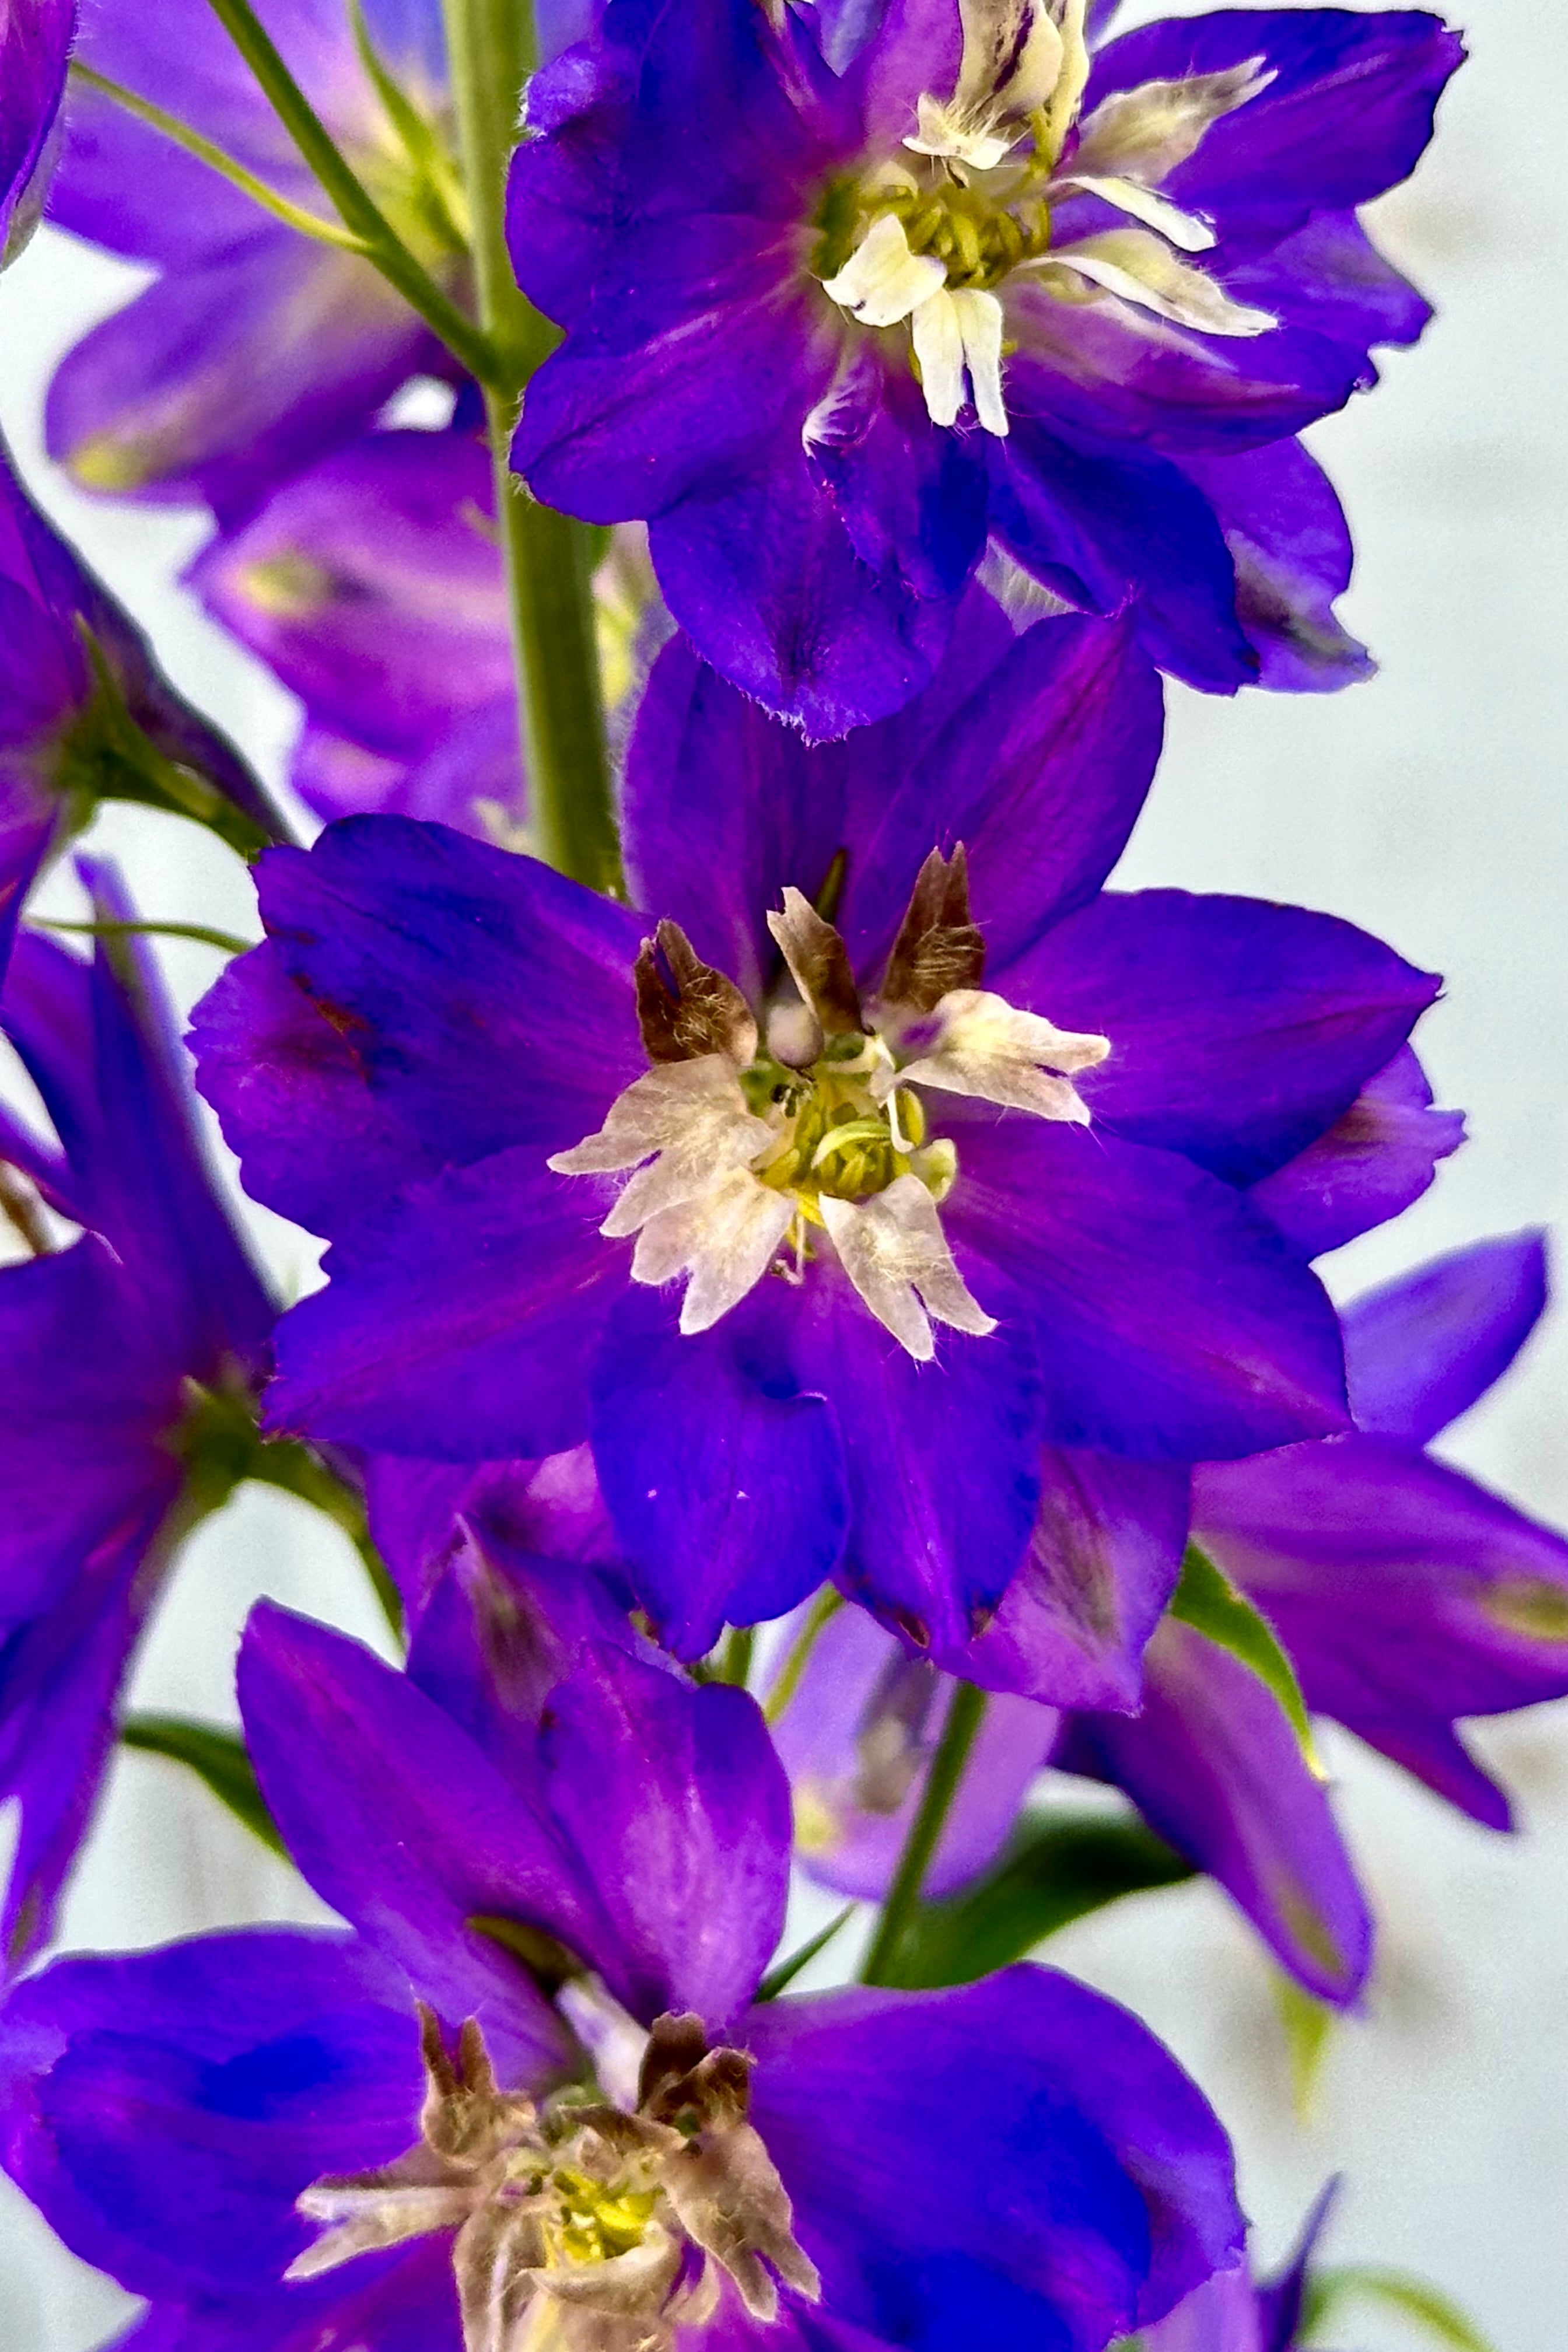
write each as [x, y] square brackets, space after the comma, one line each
[867, 1258]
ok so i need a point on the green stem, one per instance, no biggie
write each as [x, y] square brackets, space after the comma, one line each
[964, 1720]
[358, 210]
[735, 1659]
[491, 48]
[787, 1682]
[228, 942]
[181, 134]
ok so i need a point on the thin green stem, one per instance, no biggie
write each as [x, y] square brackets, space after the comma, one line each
[181, 134]
[777, 1980]
[787, 1682]
[227, 942]
[358, 210]
[490, 47]
[735, 1658]
[965, 1716]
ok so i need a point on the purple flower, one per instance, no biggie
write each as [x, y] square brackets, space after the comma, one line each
[86, 714]
[1234, 2311]
[36, 38]
[116, 1351]
[372, 585]
[973, 299]
[253, 2130]
[255, 350]
[956, 1176]
[1406, 1596]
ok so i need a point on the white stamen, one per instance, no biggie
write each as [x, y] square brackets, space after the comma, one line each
[727, 1237]
[1020, 58]
[938, 348]
[689, 1119]
[1141, 269]
[1156, 212]
[988, 1049]
[883, 282]
[980, 324]
[892, 1248]
[958, 334]
[1144, 133]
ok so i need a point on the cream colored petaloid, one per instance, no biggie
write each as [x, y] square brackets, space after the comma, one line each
[940, 233]
[580, 2225]
[751, 1153]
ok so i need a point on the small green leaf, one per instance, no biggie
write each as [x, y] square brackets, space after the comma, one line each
[774, 1982]
[1059, 1867]
[1433, 2311]
[1209, 1602]
[216, 1757]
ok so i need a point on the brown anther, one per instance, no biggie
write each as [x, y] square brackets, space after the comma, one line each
[938, 947]
[819, 964]
[686, 1008]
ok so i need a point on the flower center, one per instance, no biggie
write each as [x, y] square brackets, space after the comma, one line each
[579, 2225]
[743, 1155]
[840, 1132]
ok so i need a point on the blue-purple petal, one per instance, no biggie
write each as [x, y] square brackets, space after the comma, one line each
[1171, 1322]
[1215, 1764]
[1239, 1030]
[726, 1486]
[1420, 1350]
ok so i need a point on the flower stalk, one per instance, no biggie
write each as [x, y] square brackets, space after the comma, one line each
[491, 48]
[965, 1718]
[360, 213]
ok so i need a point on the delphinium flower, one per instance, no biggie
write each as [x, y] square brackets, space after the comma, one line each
[35, 36]
[125, 1355]
[1406, 1596]
[953, 1170]
[256, 349]
[534, 2095]
[977, 298]
[87, 715]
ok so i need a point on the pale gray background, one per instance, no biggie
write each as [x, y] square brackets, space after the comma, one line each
[1430, 806]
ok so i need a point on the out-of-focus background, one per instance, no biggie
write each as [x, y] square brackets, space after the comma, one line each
[1430, 806]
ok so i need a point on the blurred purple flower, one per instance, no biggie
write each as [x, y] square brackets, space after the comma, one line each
[976, 300]
[256, 349]
[1406, 1596]
[371, 585]
[112, 1350]
[36, 38]
[85, 712]
[1018, 2160]
[432, 1022]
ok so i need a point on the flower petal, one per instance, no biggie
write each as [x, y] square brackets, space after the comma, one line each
[1420, 1350]
[1406, 1595]
[347, 1751]
[1378, 1157]
[943, 1460]
[726, 1484]
[1239, 1030]
[1097, 2186]
[1216, 1766]
[461, 1322]
[1171, 1322]
[1102, 1561]
[449, 1000]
